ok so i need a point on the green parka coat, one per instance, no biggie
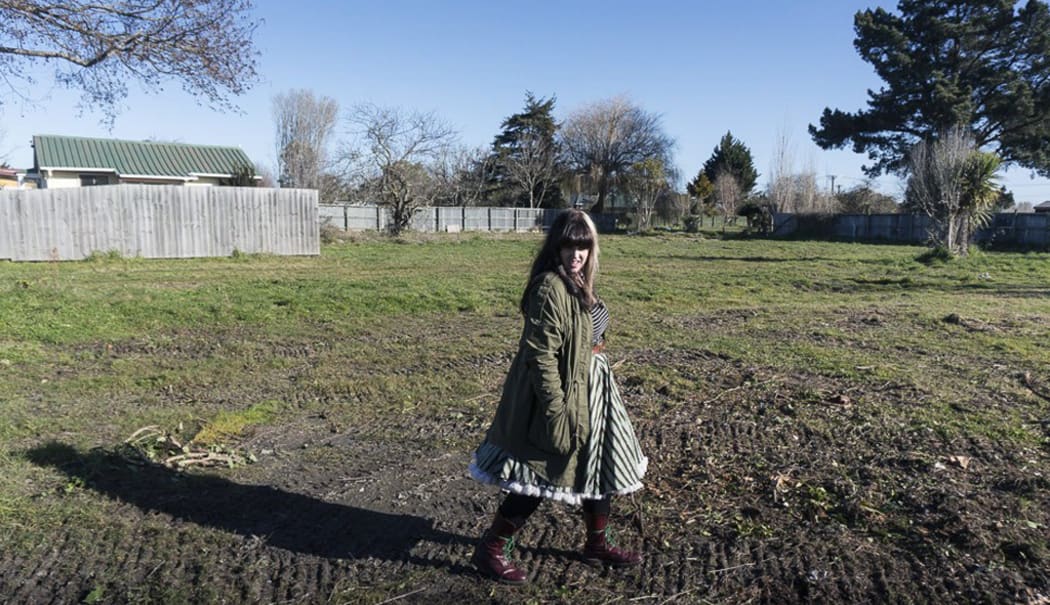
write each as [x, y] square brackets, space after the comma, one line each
[542, 418]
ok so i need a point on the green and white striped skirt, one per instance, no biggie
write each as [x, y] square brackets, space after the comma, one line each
[613, 461]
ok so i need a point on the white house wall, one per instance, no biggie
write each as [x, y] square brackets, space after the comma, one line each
[203, 181]
[62, 180]
[66, 180]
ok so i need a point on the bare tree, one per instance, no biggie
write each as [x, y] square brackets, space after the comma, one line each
[808, 196]
[392, 154]
[98, 47]
[799, 193]
[463, 175]
[936, 183]
[265, 175]
[533, 166]
[780, 190]
[648, 182]
[727, 195]
[304, 125]
[791, 191]
[608, 137]
[679, 206]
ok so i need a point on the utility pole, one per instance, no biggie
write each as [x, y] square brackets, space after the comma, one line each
[832, 177]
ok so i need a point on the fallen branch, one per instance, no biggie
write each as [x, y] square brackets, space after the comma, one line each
[676, 595]
[204, 459]
[398, 597]
[152, 444]
[1026, 380]
[735, 567]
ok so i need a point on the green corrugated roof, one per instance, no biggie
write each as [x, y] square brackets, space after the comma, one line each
[137, 158]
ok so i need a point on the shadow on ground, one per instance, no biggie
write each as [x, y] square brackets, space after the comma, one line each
[282, 519]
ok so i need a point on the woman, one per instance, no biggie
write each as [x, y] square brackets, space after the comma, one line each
[560, 431]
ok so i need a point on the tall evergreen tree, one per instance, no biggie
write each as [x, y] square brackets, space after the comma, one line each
[536, 119]
[734, 158]
[525, 157]
[981, 64]
[700, 189]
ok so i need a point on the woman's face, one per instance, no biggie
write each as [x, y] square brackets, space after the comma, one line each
[573, 259]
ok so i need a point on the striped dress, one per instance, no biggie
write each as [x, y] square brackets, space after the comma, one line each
[612, 463]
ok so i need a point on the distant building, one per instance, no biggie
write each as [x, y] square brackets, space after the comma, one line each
[9, 178]
[61, 161]
[1044, 207]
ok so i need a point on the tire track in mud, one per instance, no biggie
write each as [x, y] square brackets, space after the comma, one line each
[715, 526]
[836, 563]
[691, 567]
[44, 580]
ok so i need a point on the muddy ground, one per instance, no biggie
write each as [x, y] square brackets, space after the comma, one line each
[763, 487]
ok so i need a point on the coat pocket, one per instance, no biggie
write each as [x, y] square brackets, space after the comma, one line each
[549, 430]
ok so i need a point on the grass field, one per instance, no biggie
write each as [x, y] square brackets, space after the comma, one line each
[825, 422]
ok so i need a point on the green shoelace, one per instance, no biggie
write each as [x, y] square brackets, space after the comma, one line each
[508, 548]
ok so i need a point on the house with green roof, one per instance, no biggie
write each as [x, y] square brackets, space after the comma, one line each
[62, 161]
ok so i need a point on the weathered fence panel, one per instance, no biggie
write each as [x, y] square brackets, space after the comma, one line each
[1028, 230]
[1025, 230]
[476, 219]
[889, 227]
[443, 219]
[157, 221]
[333, 216]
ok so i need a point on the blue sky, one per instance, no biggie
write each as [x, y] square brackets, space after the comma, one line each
[763, 70]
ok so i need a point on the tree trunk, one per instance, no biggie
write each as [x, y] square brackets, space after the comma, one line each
[603, 192]
[964, 234]
[950, 236]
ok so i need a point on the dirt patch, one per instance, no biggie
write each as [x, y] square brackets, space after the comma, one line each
[763, 487]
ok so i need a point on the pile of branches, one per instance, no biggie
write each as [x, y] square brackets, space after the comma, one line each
[153, 445]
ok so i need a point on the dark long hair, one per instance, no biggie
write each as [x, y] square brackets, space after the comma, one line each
[571, 228]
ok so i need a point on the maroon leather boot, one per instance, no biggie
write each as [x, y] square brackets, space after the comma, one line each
[492, 554]
[600, 549]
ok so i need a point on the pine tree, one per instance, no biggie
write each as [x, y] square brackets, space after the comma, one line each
[525, 157]
[983, 65]
[732, 157]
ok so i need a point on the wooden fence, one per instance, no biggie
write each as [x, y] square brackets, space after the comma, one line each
[157, 221]
[443, 219]
[1007, 229]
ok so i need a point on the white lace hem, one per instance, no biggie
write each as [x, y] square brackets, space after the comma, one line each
[565, 495]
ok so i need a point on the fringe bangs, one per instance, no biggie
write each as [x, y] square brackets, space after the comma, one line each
[577, 234]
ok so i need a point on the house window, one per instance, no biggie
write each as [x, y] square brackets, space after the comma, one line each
[87, 180]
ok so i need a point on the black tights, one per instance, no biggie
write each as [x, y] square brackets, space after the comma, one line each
[517, 506]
